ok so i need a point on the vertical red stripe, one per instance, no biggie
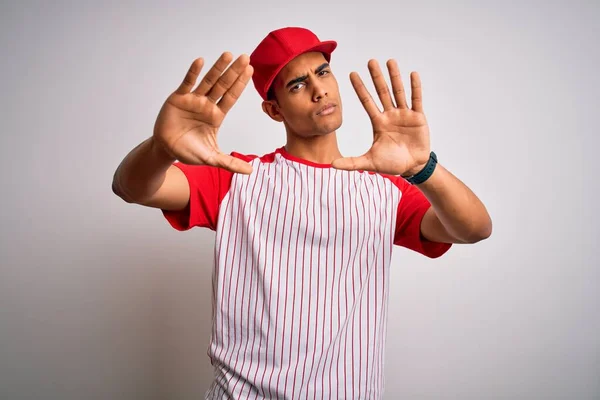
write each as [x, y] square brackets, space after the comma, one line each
[285, 387]
[376, 254]
[376, 245]
[243, 261]
[260, 281]
[331, 345]
[384, 272]
[252, 266]
[301, 291]
[328, 266]
[360, 318]
[339, 292]
[356, 297]
[342, 245]
[230, 202]
[350, 197]
[310, 275]
[232, 265]
[287, 264]
[320, 194]
[272, 267]
[324, 348]
[223, 268]
[220, 364]
[301, 191]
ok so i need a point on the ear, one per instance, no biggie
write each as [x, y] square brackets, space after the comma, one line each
[271, 108]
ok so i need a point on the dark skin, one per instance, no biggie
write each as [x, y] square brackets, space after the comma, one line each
[187, 125]
[301, 89]
[401, 144]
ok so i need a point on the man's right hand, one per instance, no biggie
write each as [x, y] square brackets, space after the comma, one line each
[188, 122]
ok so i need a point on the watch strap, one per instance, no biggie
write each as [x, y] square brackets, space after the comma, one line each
[425, 173]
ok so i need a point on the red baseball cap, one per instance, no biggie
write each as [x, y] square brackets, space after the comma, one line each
[280, 47]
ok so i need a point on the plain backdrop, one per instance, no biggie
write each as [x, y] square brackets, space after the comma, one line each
[100, 299]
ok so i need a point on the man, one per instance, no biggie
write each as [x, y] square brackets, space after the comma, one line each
[303, 236]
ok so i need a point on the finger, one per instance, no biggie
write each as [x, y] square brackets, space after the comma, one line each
[231, 163]
[415, 88]
[213, 74]
[353, 163]
[235, 91]
[228, 78]
[364, 96]
[381, 86]
[190, 78]
[397, 86]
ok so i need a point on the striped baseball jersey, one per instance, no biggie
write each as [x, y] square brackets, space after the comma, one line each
[301, 274]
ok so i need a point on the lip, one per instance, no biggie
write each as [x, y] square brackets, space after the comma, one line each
[327, 109]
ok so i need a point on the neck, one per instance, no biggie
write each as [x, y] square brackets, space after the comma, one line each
[322, 149]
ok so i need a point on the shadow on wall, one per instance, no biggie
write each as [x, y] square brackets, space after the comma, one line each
[184, 314]
[107, 312]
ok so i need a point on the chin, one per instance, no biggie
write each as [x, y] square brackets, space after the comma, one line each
[331, 126]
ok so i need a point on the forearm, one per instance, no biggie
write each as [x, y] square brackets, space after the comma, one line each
[459, 210]
[142, 172]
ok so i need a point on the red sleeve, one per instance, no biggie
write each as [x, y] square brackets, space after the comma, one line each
[411, 208]
[208, 186]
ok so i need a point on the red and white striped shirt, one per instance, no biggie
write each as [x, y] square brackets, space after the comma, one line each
[301, 274]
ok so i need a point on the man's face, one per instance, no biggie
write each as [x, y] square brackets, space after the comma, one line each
[303, 88]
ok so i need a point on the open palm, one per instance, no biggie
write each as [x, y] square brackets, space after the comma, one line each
[400, 134]
[189, 120]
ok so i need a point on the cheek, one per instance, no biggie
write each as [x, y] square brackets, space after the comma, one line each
[336, 89]
[298, 113]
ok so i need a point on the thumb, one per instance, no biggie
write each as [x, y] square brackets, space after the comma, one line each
[353, 163]
[233, 164]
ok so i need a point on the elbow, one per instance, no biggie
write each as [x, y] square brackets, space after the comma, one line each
[130, 193]
[117, 190]
[479, 236]
[479, 233]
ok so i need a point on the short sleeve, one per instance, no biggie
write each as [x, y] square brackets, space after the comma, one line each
[411, 208]
[208, 186]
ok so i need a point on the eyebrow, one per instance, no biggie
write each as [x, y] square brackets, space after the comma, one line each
[305, 77]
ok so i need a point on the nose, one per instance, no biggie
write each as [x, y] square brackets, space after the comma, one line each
[319, 91]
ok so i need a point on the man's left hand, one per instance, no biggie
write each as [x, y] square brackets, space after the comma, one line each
[400, 134]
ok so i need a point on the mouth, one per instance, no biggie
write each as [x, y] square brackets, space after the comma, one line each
[327, 109]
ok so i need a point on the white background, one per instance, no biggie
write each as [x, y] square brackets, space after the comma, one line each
[100, 299]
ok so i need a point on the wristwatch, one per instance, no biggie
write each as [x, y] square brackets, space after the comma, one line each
[425, 173]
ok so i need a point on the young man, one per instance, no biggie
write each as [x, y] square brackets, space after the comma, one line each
[303, 236]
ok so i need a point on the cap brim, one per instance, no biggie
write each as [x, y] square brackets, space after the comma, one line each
[326, 47]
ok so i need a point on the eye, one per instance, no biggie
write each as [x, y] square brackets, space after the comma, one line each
[324, 72]
[296, 87]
